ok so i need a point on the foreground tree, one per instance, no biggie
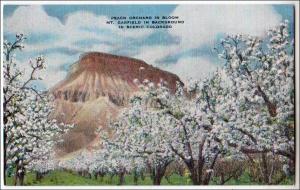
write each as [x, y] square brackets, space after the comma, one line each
[260, 104]
[194, 137]
[139, 132]
[29, 133]
[245, 108]
[162, 127]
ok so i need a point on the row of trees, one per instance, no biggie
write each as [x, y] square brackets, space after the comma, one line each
[239, 118]
[243, 115]
[245, 109]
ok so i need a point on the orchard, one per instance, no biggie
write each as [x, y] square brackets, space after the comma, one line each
[238, 122]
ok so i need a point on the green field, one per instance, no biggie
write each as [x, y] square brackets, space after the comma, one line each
[68, 178]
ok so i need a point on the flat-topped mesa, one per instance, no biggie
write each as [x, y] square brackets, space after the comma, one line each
[101, 74]
[96, 89]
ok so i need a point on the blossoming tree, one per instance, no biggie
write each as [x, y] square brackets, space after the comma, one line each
[29, 133]
[258, 111]
[139, 132]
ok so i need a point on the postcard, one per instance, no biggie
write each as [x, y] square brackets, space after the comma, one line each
[162, 95]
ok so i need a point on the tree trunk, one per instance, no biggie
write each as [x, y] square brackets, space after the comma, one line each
[135, 177]
[121, 178]
[195, 179]
[38, 176]
[271, 106]
[222, 179]
[101, 175]
[22, 175]
[16, 173]
[16, 177]
[142, 176]
[5, 168]
[265, 168]
[19, 176]
[194, 175]
[159, 172]
[157, 180]
[4, 155]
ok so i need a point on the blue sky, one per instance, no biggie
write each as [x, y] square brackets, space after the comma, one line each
[63, 32]
[61, 11]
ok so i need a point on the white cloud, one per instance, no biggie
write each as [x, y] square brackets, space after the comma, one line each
[185, 68]
[152, 54]
[191, 67]
[88, 19]
[54, 72]
[204, 22]
[31, 19]
[57, 60]
[34, 20]
[202, 25]
[52, 77]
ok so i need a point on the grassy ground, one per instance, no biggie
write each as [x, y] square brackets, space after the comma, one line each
[68, 178]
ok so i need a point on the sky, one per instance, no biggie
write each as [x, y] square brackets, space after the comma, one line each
[61, 33]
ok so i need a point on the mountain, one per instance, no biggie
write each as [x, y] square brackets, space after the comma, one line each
[97, 87]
